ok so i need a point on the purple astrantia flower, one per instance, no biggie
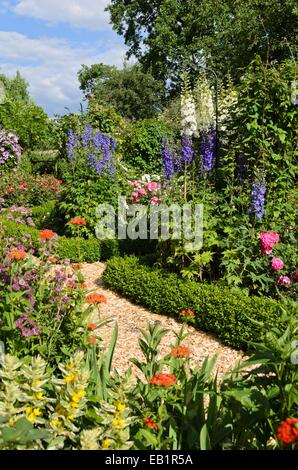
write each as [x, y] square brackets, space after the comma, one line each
[241, 167]
[207, 150]
[167, 159]
[187, 150]
[258, 198]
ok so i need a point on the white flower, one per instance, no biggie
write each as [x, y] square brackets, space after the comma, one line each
[205, 105]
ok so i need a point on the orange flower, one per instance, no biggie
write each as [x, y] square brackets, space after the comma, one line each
[47, 234]
[181, 351]
[78, 221]
[187, 313]
[92, 326]
[17, 254]
[151, 424]
[92, 340]
[52, 259]
[288, 431]
[96, 299]
[76, 266]
[164, 380]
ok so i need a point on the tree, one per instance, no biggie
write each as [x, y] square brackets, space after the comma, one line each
[169, 35]
[18, 113]
[133, 93]
[16, 88]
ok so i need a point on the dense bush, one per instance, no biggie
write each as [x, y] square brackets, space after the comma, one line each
[29, 190]
[74, 249]
[142, 144]
[227, 313]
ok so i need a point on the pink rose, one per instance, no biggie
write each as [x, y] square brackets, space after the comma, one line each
[135, 197]
[135, 184]
[155, 200]
[284, 281]
[151, 186]
[142, 192]
[277, 264]
[268, 239]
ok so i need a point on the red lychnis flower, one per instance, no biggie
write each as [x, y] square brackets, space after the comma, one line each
[150, 424]
[287, 432]
[92, 326]
[47, 234]
[187, 313]
[17, 254]
[52, 259]
[181, 351]
[92, 340]
[96, 299]
[164, 380]
[78, 221]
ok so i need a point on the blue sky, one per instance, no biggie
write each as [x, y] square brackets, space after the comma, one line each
[48, 40]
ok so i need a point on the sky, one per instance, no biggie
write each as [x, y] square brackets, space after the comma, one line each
[48, 40]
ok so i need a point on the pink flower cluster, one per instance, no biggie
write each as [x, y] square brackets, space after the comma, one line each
[268, 240]
[145, 192]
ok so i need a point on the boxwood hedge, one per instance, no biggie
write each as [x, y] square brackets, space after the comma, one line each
[75, 249]
[219, 310]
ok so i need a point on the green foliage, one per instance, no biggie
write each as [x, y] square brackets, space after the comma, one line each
[83, 197]
[29, 190]
[89, 251]
[226, 312]
[75, 249]
[133, 93]
[142, 144]
[47, 215]
[27, 120]
[167, 36]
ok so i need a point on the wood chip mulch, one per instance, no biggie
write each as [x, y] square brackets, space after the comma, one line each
[132, 317]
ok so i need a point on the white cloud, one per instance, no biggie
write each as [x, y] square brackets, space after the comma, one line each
[79, 13]
[50, 65]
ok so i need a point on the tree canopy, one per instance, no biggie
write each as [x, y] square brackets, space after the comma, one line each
[169, 35]
[133, 93]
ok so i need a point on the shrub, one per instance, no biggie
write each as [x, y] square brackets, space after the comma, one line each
[75, 249]
[29, 190]
[47, 215]
[142, 144]
[225, 312]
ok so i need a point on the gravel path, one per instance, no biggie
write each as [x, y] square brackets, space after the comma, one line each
[131, 317]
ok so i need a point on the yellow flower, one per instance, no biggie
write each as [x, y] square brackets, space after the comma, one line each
[71, 416]
[76, 397]
[118, 423]
[55, 422]
[74, 405]
[11, 421]
[33, 415]
[105, 444]
[70, 366]
[70, 378]
[120, 406]
[28, 410]
[36, 383]
[39, 395]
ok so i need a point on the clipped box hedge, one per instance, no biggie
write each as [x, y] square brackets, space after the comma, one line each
[219, 310]
[75, 249]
